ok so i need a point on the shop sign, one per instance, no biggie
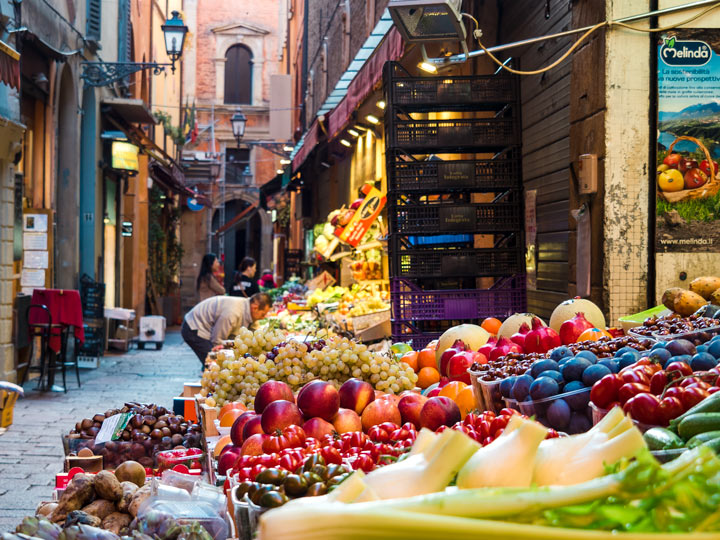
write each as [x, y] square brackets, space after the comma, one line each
[688, 144]
[127, 228]
[457, 219]
[124, 156]
[369, 210]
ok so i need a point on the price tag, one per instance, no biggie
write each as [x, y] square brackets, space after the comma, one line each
[112, 427]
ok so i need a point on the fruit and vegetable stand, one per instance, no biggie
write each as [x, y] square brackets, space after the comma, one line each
[512, 428]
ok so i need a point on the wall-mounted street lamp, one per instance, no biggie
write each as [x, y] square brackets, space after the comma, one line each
[238, 122]
[107, 73]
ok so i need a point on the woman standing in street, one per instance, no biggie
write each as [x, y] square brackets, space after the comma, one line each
[207, 285]
[243, 284]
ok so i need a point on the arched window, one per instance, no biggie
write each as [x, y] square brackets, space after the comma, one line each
[238, 75]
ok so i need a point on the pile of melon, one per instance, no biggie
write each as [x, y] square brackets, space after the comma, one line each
[686, 302]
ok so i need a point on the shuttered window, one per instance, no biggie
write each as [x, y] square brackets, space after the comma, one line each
[93, 26]
[124, 31]
[238, 75]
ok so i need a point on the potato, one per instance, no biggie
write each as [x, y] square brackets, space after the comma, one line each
[129, 490]
[116, 522]
[79, 493]
[46, 509]
[138, 498]
[687, 303]
[705, 286]
[100, 508]
[668, 297]
[107, 486]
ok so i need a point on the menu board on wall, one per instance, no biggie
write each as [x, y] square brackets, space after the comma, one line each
[688, 143]
[36, 250]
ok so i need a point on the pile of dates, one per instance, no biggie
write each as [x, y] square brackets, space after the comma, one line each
[150, 429]
[673, 325]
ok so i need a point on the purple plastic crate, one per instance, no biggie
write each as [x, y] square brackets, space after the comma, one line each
[402, 333]
[410, 303]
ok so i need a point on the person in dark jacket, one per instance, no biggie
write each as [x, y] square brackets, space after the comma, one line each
[244, 284]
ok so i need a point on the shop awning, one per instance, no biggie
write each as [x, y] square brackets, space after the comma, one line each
[383, 44]
[9, 66]
[172, 179]
[133, 111]
[268, 189]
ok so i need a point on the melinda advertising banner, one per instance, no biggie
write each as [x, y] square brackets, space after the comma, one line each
[688, 203]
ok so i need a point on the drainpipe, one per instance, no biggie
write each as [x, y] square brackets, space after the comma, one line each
[652, 159]
[304, 62]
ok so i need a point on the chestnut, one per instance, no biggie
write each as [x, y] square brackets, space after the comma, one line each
[126, 435]
[149, 420]
[136, 420]
[156, 434]
[160, 424]
[166, 432]
[86, 424]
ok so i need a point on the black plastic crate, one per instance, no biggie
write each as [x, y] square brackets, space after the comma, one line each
[444, 262]
[446, 92]
[502, 172]
[455, 218]
[454, 135]
[94, 343]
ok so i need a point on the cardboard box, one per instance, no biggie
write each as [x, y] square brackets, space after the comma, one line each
[7, 405]
[207, 416]
[93, 464]
[191, 388]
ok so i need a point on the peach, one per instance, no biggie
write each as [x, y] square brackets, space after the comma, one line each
[318, 399]
[347, 420]
[379, 411]
[439, 411]
[356, 395]
[410, 406]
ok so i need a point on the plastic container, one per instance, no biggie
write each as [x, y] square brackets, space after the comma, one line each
[454, 135]
[598, 414]
[187, 512]
[410, 303]
[440, 240]
[697, 337]
[448, 262]
[577, 400]
[480, 403]
[632, 321]
[167, 459]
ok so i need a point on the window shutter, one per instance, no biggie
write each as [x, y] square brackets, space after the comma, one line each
[124, 31]
[93, 26]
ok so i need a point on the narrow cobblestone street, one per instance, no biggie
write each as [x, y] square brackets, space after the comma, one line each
[31, 449]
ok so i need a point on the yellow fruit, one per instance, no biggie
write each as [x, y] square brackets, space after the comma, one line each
[662, 168]
[671, 180]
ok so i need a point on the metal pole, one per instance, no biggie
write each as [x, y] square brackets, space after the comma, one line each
[462, 57]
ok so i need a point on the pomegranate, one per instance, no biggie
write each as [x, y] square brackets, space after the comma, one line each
[571, 329]
[541, 338]
[504, 346]
[489, 346]
[519, 337]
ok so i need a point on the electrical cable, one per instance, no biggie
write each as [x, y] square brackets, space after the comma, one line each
[609, 24]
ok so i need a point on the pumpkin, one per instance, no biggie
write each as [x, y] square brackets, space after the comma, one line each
[593, 334]
[569, 308]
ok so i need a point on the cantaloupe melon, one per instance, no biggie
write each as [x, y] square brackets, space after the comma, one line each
[471, 334]
[513, 322]
[569, 308]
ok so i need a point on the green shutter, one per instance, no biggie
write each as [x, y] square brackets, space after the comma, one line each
[93, 27]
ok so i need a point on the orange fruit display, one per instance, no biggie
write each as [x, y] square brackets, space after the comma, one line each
[222, 441]
[432, 345]
[426, 358]
[465, 400]
[491, 325]
[452, 389]
[427, 376]
[411, 359]
[228, 419]
[593, 334]
[230, 406]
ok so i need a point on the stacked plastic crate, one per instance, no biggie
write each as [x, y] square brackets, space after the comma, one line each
[92, 296]
[454, 201]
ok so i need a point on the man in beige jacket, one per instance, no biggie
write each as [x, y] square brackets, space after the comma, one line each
[219, 317]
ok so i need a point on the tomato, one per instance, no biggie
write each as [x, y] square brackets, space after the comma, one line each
[687, 382]
[290, 437]
[364, 463]
[288, 463]
[296, 435]
[668, 409]
[409, 426]
[331, 455]
[388, 426]
[674, 391]
[328, 440]
[378, 434]
[658, 382]
[268, 460]
[605, 390]
[507, 412]
[499, 423]
[356, 438]
[630, 390]
[311, 443]
[400, 434]
[471, 419]
[682, 367]
[257, 469]
[692, 396]
[275, 443]
[483, 429]
[635, 376]
[713, 389]
[699, 384]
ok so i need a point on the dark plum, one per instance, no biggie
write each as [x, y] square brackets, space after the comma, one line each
[506, 386]
[589, 355]
[543, 365]
[611, 364]
[544, 387]
[594, 373]
[579, 423]
[580, 400]
[714, 348]
[558, 353]
[521, 387]
[573, 370]
[680, 346]
[703, 362]
[558, 414]
[556, 375]
[627, 359]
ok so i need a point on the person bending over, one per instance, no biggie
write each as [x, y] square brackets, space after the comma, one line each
[219, 317]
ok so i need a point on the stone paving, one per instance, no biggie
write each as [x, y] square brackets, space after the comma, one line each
[31, 449]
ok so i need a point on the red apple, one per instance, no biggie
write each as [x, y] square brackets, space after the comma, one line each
[379, 411]
[228, 460]
[434, 392]
[672, 160]
[346, 420]
[458, 365]
[410, 406]
[236, 431]
[317, 428]
[230, 447]
[687, 164]
[694, 178]
[356, 394]
[439, 411]
[357, 203]
[705, 167]
[458, 346]
[279, 415]
[253, 445]
[272, 391]
[318, 398]
[252, 426]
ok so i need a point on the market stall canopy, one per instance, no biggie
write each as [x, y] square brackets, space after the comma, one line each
[9, 66]
[383, 44]
[133, 111]
[268, 189]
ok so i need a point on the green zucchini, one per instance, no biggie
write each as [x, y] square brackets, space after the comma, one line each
[659, 438]
[714, 445]
[699, 423]
[702, 438]
[710, 404]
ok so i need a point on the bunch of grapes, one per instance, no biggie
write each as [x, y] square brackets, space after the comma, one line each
[237, 377]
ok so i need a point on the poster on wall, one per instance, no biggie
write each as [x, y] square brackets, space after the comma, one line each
[687, 180]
